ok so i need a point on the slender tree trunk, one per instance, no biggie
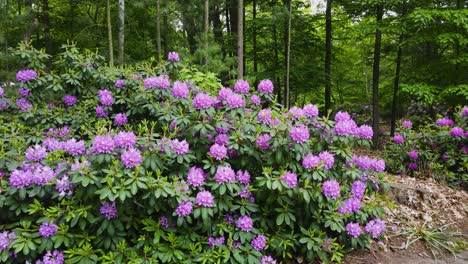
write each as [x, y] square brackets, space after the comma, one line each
[240, 39]
[121, 54]
[234, 22]
[277, 78]
[33, 24]
[158, 29]
[288, 55]
[165, 37]
[109, 35]
[375, 78]
[218, 27]
[396, 85]
[328, 53]
[45, 11]
[243, 43]
[207, 28]
[254, 38]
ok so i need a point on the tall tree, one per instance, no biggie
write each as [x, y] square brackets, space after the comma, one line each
[375, 77]
[121, 51]
[240, 39]
[158, 28]
[254, 36]
[109, 34]
[288, 52]
[207, 28]
[396, 85]
[45, 12]
[32, 18]
[328, 53]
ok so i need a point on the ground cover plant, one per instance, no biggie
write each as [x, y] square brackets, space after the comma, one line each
[160, 163]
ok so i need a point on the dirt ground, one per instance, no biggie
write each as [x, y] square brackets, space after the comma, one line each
[420, 206]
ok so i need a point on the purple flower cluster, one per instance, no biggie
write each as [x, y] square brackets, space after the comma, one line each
[23, 104]
[25, 75]
[131, 158]
[69, 100]
[39, 175]
[225, 174]
[52, 257]
[407, 124]
[345, 128]
[311, 110]
[36, 153]
[105, 97]
[413, 154]
[243, 177]
[179, 147]
[331, 188]
[375, 227]
[464, 111]
[103, 144]
[295, 113]
[6, 237]
[457, 132]
[2, 92]
[204, 199]
[195, 177]
[255, 100]
[444, 122]
[350, 205]
[299, 134]
[358, 188]
[119, 83]
[101, 111]
[266, 86]
[125, 139]
[218, 151]
[262, 141]
[366, 163]
[161, 82]
[259, 242]
[264, 116]
[412, 166]
[180, 90]
[242, 86]
[235, 100]
[222, 139]
[120, 119]
[398, 139]
[224, 93]
[267, 260]
[311, 161]
[64, 186]
[365, 132]
[202, 101]
[24, 92]
[108, 210]
[173, 56]
[47, 229]
[215, 242]
[342, 116]
[327, 158]
[245, 223]
[289, 179]
[354, 229]
[184, 208]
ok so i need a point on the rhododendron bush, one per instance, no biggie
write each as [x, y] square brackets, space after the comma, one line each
[137, 166]
[440, 148]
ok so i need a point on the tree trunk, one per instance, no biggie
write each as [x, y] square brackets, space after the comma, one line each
[165, 38]
[396, 85]
[218, 27]
[375, 78]
[33, 22]
[207, 28]
[328, 53]
[254, 39]
[277, 78]
[109, 35]
[158, 29]
[45, 11]
[288, 55]
[121, 54]
[240, 40]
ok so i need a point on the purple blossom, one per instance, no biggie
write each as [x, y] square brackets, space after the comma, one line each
[105, 97]
[311, 110]
[444, 122]
[69, 100]
[225, 174]
[464, 111]
[375, 227]
[108, 210]
[125, 139]
[413, 154]
[457, 132]
[242, 86]
[295, 113]
[23, 104]
[255, 100]
[243, 177]
[413, 166]
[161, 82]
[398, 139]
[358, 189]
[164, 221]
[202, 101]
[311, 161]
[245, 193]
[120, 119]
[345, 128]
[259, 242]
[184, 208]
[331, 188]
[354, 229]
[204, 199]
[101, 111]
[267, 260]
[195, 177]
[218, 151]
[6, 237]
[350, 205]
[365, 132]
[299, 134]
[36, 153]
[264, 116]
[55, 257]
[179, 147]
[20, 178]
[266, 86]
[180, 90]
[131, 158]
[2, 92]
[103, 144]
[25, 75]
[327, 158]
[235, 101]
[173, 56]
[215, 242]
[342, 116]
[224, 93]
[222, 139]
[47, 229]
[64, 186]
[245, 223]
[262, 141]
[73, 147]
[42, 175]
[24, 91]
[407, 124]
[289, 179]
[119, 83]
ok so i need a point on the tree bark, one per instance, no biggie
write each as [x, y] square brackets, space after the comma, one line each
[254, 38]
[218, 27]
[45, 11]
[121, 54]
[277, 78]
[375, 78]
[165, 39]
[328, 53]
[109, 35]
[158, 29]
[396, 85]
[33, 24]
[240, 40]
[288, 55]
[207, 28]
